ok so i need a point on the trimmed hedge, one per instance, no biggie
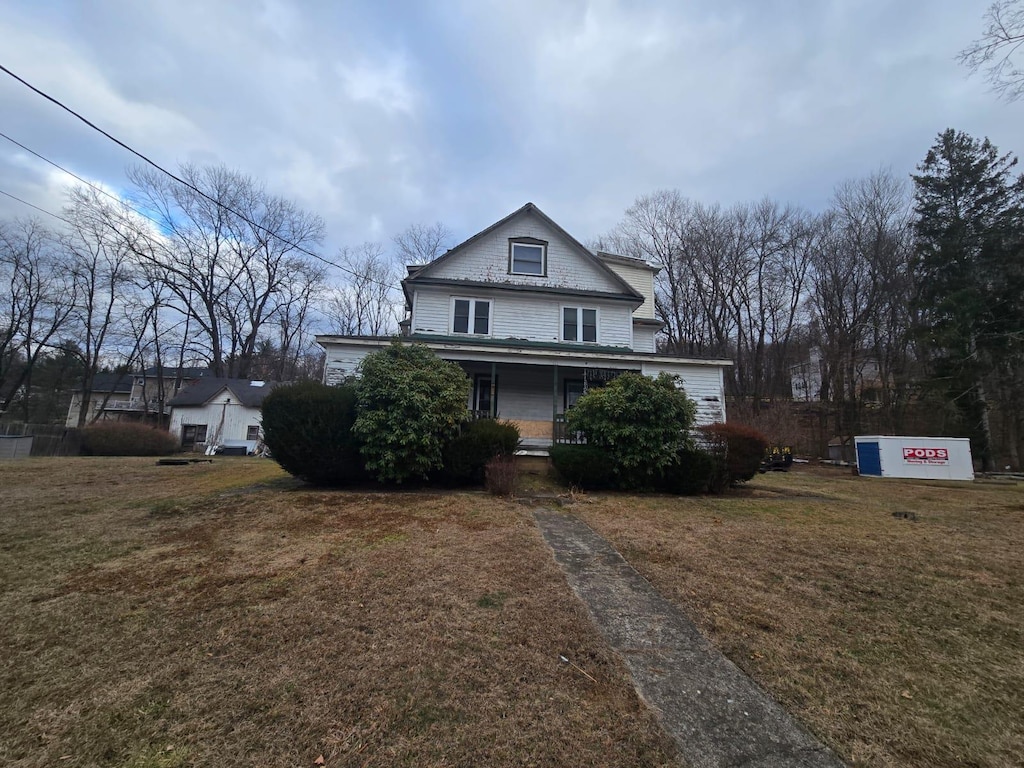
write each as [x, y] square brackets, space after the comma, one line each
[466, 456]
[308, 429]
[122, 438]
[584, 466]
[692, 472]
[744, 448]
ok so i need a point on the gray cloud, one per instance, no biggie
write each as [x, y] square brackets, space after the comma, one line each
[376, 116]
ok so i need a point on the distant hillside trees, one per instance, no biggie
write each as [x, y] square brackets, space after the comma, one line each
[894, 294]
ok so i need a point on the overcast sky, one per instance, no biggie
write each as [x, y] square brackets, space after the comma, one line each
[377, 115]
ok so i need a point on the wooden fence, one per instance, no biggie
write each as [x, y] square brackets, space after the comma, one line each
[48, 439]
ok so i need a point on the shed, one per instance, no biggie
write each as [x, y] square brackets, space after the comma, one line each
[925, 458]
[214, 411]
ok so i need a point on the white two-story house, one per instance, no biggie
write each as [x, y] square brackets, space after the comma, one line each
[535, 319]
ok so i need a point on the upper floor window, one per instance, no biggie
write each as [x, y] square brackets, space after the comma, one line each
[579, 324]
[471, 316]
[527, 256]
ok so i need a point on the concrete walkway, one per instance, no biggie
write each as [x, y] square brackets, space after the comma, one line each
[717, 715]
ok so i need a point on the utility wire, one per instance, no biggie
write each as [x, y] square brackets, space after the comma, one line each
[188, 185]
[74, 175]
[30, 205]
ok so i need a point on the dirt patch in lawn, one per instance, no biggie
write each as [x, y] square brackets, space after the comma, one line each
[217, 614]
[884, 614]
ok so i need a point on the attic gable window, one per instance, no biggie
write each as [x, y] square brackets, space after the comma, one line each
[527, 256]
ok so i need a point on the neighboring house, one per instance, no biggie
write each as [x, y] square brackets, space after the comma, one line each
[217, 412]
[535, 319]
[807, 377]
[133, 396]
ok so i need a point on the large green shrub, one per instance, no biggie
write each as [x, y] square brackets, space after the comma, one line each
[639, 421]
[123, 438]
[743, 446]
[411, 403]
[308, 429]
[584, 466]
[467, 455]
[694, 471]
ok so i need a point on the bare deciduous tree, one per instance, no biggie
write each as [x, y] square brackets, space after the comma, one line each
[995, 52]
[100, 262]
[421, 243]
[226, 254]
[367, 303]
[36, 306]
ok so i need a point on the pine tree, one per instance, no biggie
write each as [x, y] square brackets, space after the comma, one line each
[968, 265]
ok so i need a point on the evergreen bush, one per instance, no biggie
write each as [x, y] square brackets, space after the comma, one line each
[584, 466]
[694, 471]
[467, 455]
[308, 429]
[122, 438]
[639, 421]
[410, 405]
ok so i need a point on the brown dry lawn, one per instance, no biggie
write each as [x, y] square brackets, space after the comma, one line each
[223, 615]
[900, 642]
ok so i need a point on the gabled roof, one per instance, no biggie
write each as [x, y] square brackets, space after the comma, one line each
[186, 373]
[421, 273]
[112, 383]
[248, 392]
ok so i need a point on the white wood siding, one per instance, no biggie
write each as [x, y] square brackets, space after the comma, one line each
[529, 317]
[342, 362]
[642, 280]
[703, 384]
[486, 260]
[644, 338]
[223, 420]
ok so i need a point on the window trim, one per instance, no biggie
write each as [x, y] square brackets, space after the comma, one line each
[579, 323]
[249, 429]
[473, 301]
[532, 241]
[195, 435]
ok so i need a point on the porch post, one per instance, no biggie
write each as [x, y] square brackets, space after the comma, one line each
[494, 389]
[554, 400]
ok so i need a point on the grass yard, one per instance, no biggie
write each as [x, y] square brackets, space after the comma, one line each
[898, 641]
[219, 614]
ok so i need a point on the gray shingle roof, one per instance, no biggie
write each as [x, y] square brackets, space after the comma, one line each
[246, 391]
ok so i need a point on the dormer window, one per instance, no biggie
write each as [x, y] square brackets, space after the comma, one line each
[527, 256]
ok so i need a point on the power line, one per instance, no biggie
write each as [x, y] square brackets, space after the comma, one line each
[188, 185]
[30, 205]
[74, 175]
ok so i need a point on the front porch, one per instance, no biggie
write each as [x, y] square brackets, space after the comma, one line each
[535, 383]
[535, 397]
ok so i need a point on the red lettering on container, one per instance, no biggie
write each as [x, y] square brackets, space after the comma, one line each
[926, 455]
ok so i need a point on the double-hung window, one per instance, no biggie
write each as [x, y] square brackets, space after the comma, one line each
[579, 324]
[527, 256]
[471, 316]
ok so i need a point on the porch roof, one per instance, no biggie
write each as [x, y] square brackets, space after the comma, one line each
[520, 350]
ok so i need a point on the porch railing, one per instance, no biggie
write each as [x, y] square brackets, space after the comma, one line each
[561, 435]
